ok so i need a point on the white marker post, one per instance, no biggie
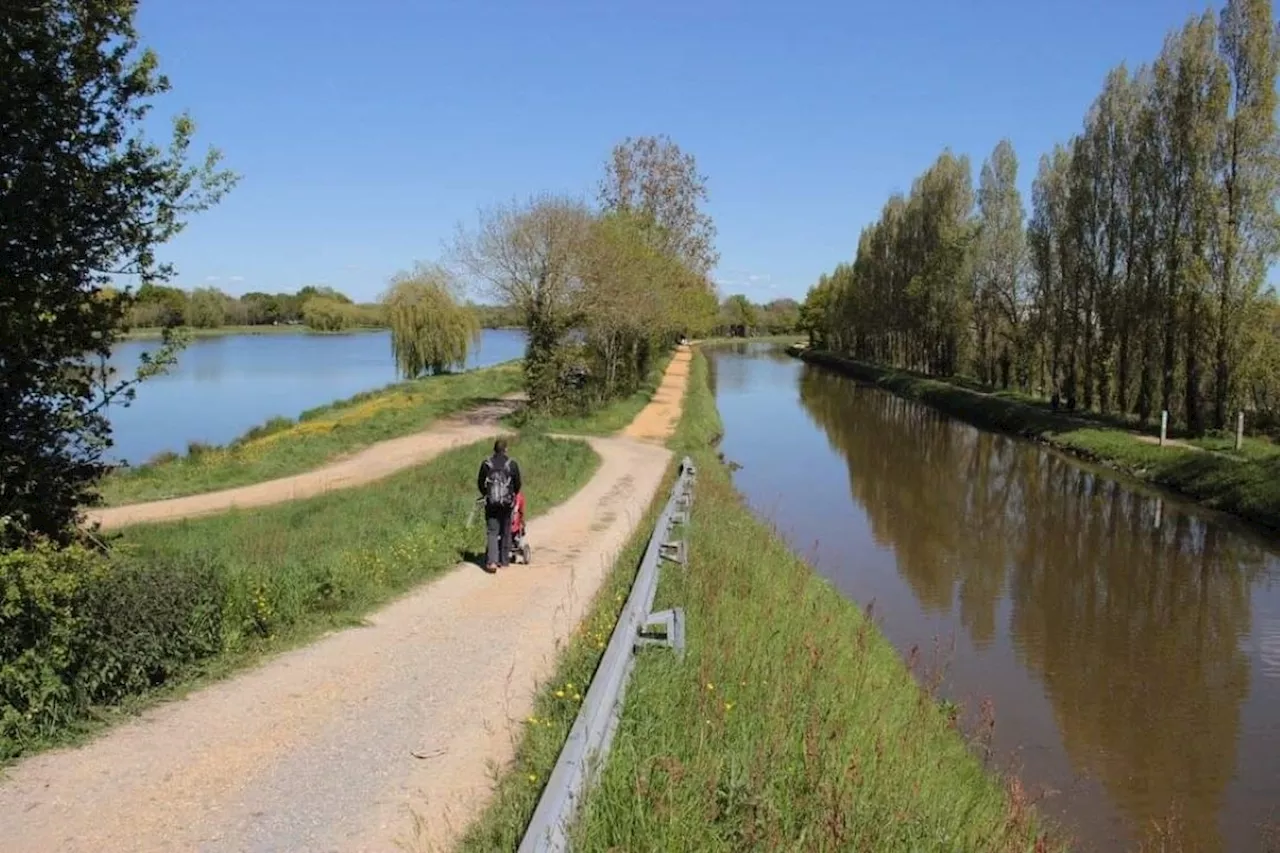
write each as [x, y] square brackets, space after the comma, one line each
[1240, 430]
[1164, 426]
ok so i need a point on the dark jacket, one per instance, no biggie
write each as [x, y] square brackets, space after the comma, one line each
[496, 461]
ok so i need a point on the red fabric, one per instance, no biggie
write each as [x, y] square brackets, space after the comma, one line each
[517, 515]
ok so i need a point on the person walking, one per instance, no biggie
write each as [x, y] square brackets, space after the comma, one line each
[499, 483]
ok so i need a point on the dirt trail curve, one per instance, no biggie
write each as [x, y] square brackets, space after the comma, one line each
[372, 463]
[372, 738]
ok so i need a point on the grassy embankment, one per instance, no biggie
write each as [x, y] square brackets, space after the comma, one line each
[791, 723]
[282, 447]
[1207, 470]
[179, 603]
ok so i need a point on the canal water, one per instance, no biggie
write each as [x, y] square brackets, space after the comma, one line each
[1130, 644]
[222, 387]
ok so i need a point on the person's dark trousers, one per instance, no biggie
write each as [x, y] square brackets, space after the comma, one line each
[498, 527]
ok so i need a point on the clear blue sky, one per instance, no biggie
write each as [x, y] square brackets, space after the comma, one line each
[365, 131]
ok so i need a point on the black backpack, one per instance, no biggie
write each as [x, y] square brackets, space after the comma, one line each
[498, 484]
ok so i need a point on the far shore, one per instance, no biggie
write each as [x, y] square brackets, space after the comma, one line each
[156, 333]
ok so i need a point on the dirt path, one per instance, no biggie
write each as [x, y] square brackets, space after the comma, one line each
[371, 738]
[657, 421]
[372, 463]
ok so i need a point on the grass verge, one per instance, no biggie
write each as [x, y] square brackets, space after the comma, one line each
[287, 573]
[1245, 484]
[282, 447]
[791, 723]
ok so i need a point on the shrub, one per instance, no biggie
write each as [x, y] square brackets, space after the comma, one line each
[77, 629]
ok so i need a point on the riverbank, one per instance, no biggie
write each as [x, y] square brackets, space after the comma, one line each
[179, 604]
[1246, 485]
[283, 447]
[791, 722]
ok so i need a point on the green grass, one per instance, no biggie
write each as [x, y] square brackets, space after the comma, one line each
[1210, 472]
[283, 447]
[791, 724]
[292, 571]
[760, 339]
[605, 420]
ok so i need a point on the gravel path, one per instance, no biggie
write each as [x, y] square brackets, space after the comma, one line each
[372, 463]
[372, 739]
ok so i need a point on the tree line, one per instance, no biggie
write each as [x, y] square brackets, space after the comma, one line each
[318, 308]
[740, 317]
[1138, 282]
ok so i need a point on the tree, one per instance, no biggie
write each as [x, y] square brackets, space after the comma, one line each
[653, 179]
[737, 312]
[83, 197]
[999, 268]
[528, 257]
[207, 308]
[1245, 229]
[325, 314]
[430, 331]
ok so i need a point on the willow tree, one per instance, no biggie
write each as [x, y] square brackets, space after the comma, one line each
[431, 331]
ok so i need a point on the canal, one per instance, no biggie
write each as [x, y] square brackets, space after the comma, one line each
[1130, 644]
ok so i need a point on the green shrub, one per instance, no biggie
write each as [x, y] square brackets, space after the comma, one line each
[78, 630]
[43, 630]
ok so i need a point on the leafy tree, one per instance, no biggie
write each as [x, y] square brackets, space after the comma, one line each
[207, 308]
[654, 180]
[528, 256]
[430, 331]
[83, 197]
[325, 314]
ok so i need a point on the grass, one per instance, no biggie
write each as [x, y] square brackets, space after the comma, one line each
[791, 724]
[293, 571]
[282, 447]
[758, 339]
[605, 420]
[1209, 471]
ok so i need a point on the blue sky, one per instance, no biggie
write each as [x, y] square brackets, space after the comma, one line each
[366, 131]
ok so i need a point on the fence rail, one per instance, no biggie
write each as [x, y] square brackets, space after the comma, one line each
[588, 743]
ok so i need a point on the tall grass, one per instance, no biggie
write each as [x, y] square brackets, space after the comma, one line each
[318, 562]
[1246, 484]
[282, 447]
[790, 724]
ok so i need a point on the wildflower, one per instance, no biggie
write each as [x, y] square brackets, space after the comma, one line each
[559, 694]
[533, 720]
[577, 697]
[728, 706]
[711, 688]
[533, 777]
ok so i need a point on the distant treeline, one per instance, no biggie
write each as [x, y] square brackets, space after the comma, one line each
[318, 308]
[740, 317]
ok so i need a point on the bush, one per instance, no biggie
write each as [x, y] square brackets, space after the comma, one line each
[77, 630]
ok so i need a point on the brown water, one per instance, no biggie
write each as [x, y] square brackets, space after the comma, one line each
[1130, 643]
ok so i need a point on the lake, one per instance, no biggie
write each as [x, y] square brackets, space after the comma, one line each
[224, 386]
[1130, 643]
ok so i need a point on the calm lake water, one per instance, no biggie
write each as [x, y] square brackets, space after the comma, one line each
[1130, 644]
[222, 387]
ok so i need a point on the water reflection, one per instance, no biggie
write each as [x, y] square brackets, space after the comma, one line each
[1116, 628]
[1133, 627]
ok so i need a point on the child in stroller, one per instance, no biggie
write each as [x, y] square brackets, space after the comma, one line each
[520, 549]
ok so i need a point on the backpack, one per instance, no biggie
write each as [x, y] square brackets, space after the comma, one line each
[498, 485]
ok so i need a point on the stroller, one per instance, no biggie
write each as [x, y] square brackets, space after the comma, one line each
[521, 552]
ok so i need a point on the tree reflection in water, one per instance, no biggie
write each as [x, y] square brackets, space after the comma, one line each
[1129, 612]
